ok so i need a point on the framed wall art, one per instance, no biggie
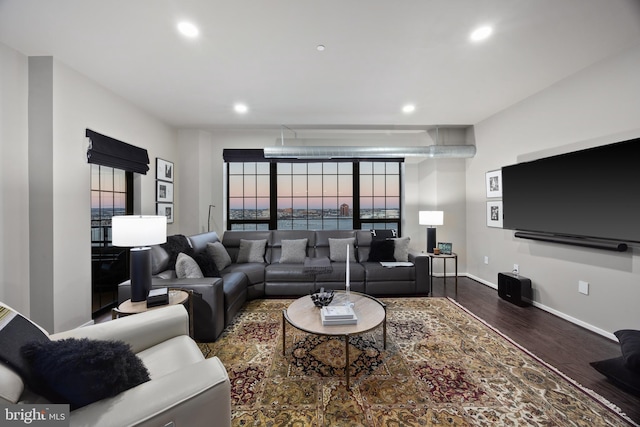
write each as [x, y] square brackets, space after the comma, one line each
[494, 214]
[165, 209]
[494, 183]
[164, 170]
[164, 192]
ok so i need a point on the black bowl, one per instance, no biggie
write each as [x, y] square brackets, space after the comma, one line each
[321, 299]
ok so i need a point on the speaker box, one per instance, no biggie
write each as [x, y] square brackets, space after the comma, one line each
[515, 288]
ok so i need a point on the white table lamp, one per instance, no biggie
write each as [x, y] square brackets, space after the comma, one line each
[139, 232]
[431, 218]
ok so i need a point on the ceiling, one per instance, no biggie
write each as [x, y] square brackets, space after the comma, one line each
[379, 55]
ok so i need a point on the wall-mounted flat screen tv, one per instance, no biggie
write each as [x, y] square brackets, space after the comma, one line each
[592, 193]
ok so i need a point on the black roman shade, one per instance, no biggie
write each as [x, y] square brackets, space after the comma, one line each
[257, 155]
[106, 151]
[244, 155]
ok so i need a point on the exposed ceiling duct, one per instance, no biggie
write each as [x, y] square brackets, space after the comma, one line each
[339, 152]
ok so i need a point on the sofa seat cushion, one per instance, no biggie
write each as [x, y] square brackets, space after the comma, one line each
[339, 273]
[287, 273]
[253, 270]
[375, 272]
[170, 356]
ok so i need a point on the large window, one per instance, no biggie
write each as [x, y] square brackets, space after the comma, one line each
[111, 194]
[379, 195]
[315, 196]
[249, 195]
[341, 195]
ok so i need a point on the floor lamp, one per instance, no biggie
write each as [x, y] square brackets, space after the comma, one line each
[431, 218]
[138, 232]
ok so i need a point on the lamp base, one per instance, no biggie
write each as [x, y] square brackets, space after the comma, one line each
[140, 267]
[431, 239]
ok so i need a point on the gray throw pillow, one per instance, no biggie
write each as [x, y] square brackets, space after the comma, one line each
[401, 250]
[294, 251]
[251, 251]
[187, 267]
[338, 249]
[219, 254]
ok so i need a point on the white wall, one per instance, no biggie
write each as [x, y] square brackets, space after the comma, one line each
[14, 180]
[78, 103]
[601, 104]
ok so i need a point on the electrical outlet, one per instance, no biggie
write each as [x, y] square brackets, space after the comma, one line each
[516, 269]
[486, 260]
[583, 287]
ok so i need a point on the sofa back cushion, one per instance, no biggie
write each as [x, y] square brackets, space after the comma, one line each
[199, 241]
[159, 259]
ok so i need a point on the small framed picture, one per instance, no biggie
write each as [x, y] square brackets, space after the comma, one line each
[494, 183]
[445, 248]
[166, 209]
[164, 170]
[494, 214]
[164, 192]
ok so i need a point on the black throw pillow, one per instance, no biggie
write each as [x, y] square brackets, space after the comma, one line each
[82, 371]
[15, 331]
[207, 264]
[383, 234]
[176, 244]
[381, 251]
[616, 371]
[630, 346]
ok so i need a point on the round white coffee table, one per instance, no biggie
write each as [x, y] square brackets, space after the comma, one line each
[302, 314]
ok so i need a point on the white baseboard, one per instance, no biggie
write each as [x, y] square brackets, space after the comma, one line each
[551, 310]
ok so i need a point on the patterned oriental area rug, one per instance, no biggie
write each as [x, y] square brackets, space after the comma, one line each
[442, 367]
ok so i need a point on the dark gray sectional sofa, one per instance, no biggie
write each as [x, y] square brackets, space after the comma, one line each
[217, 299]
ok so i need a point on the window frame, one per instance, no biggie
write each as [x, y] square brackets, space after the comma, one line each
[234, 223]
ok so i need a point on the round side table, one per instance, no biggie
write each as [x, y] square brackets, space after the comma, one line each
[176, 296]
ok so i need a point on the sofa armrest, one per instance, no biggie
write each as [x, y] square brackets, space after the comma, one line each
[208, 302]
[195, 395]
[140, 331]
[421, 263]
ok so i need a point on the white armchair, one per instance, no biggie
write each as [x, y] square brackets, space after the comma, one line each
[185, 389]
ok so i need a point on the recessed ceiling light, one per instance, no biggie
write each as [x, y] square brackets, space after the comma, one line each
[188, 29]
[481, 33]
[240, 108]
[320, 47]
[409, 108]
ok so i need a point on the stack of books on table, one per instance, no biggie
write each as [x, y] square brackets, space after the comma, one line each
[338, 315]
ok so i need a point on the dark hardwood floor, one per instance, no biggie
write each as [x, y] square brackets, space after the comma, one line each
[562, 344]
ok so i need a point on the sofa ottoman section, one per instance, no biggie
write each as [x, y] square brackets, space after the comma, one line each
[254, 273]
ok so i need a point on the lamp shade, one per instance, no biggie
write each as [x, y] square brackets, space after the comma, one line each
[138, 230]
[431, 218]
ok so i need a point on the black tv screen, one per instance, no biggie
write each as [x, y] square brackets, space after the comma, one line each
[592, 193]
